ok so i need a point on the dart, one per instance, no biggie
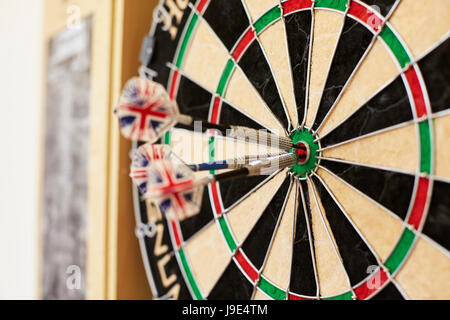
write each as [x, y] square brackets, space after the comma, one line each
[146, 112]
[235, 163]
[178, 191]
[172, 187]
[146, 154]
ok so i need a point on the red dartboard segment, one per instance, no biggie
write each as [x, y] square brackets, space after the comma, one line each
[416, 90]
[173, 88]
[246, 266]
[365, 15]
[420, 201]
[371, 285]
[216, 198]
[217, 105]
[245, 42]
[201, 7]
[176, 233]
[295, 5]
[292, 296]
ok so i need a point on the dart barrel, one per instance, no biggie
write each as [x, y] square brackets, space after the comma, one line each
[272, 164]
[261, 137]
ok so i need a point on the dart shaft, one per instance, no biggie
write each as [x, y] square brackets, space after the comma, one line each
[189, 121]
[210, 166]
[261, 137]
[272, 164]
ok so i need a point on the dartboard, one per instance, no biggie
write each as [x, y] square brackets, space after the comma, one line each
[364, 87]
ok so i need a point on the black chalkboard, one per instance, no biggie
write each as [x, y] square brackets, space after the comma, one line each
[64, 217]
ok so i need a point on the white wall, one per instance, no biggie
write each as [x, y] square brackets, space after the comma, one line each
[20, 113]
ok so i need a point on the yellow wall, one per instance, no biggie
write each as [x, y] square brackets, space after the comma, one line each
[114, 264]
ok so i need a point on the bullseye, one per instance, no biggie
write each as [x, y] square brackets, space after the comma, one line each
[307, 149]
[301, 149]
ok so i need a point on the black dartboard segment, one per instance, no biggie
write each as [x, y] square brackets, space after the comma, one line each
[182, 267]
[298, 30]
[437, 225]
[384, 6]
[435, 68]
[356, 256]
[160, 248]
[232, 285]
[233, 190]
[389, 107]
[258, 241]
[141, 210]
[165, 47]
[303, 277]
[218, 16]
[390, 189]
[228, 114]
[255, 66]
[193, 99]
[172, 268]
[390, 292]
[353, 43]
[194, 224]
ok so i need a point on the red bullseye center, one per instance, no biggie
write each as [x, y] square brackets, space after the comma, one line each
[301, 149]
